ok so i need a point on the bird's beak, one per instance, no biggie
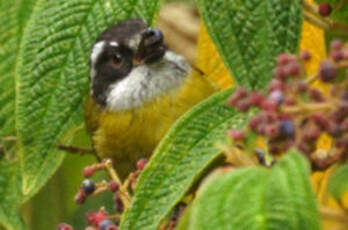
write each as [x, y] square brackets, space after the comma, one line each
[151, 47]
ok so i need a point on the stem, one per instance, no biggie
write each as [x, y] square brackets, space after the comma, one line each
[316, 21]
[9, 139]
[311, 107]
[312, 78]
[113, 175]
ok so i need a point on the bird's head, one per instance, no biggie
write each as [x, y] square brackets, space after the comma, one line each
[130, 65]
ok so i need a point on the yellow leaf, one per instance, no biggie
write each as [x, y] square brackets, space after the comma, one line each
[210, 62]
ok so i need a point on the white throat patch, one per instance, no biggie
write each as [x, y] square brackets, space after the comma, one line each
[146, 82]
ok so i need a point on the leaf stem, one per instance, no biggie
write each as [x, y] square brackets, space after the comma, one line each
[75, 149]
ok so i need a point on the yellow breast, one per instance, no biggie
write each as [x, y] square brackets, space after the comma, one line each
[129, 135]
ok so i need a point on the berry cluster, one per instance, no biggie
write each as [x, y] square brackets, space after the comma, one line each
[102, 220]
[295, 113]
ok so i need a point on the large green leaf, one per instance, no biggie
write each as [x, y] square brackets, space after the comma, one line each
[249, 34]
[13, 17]
[338, 183]
[52, 75]
[179, 159]
[257, 198]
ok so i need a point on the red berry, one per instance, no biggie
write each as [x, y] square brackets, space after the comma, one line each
[306, 55]
[344, 125]
[88, 172]
[142, 163]
[270, 105]
[325, 9]
[283, 59]
[244, 104]
[280, 73]
[303, 86]
[328, 71]
[276, 84]
[237, 95]
[113, 186]
[320, 120]
[293, 69]
[337, 55]
[345, 53]
[257, 98]
[336, 45]
[311, 133]
[272, 130]
[64, 226]
[80, 198]
[316, 95]
[236, 134]
[91, 218]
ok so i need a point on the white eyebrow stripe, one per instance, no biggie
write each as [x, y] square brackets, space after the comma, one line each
[114, 44]
[97, 50]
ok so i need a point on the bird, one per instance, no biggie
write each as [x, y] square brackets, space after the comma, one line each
[138, 89]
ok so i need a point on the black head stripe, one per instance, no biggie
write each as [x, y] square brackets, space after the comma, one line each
[123, 31]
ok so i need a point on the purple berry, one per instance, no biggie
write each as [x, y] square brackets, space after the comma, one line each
[287, 129]
[105, 224]
[277, 96]
[88, 186]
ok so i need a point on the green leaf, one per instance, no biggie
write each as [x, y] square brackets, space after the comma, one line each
[249, 34]
[338, 183]
[256, 198]
[53, 74]
[10, 195]
[180, 159]
[13, 17]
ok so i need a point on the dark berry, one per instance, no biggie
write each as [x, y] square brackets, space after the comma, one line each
[306, 55]
[105, 224]
[113, 186]
[328, 71]
[325, 9]
[142, 163]
[118, 203]
[303, 86]
[287, 129]
[88, 186]
[80, 197]
[88, 172]
[64, 226]
[236, 134]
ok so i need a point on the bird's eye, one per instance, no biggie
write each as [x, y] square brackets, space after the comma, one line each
[117, 60]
